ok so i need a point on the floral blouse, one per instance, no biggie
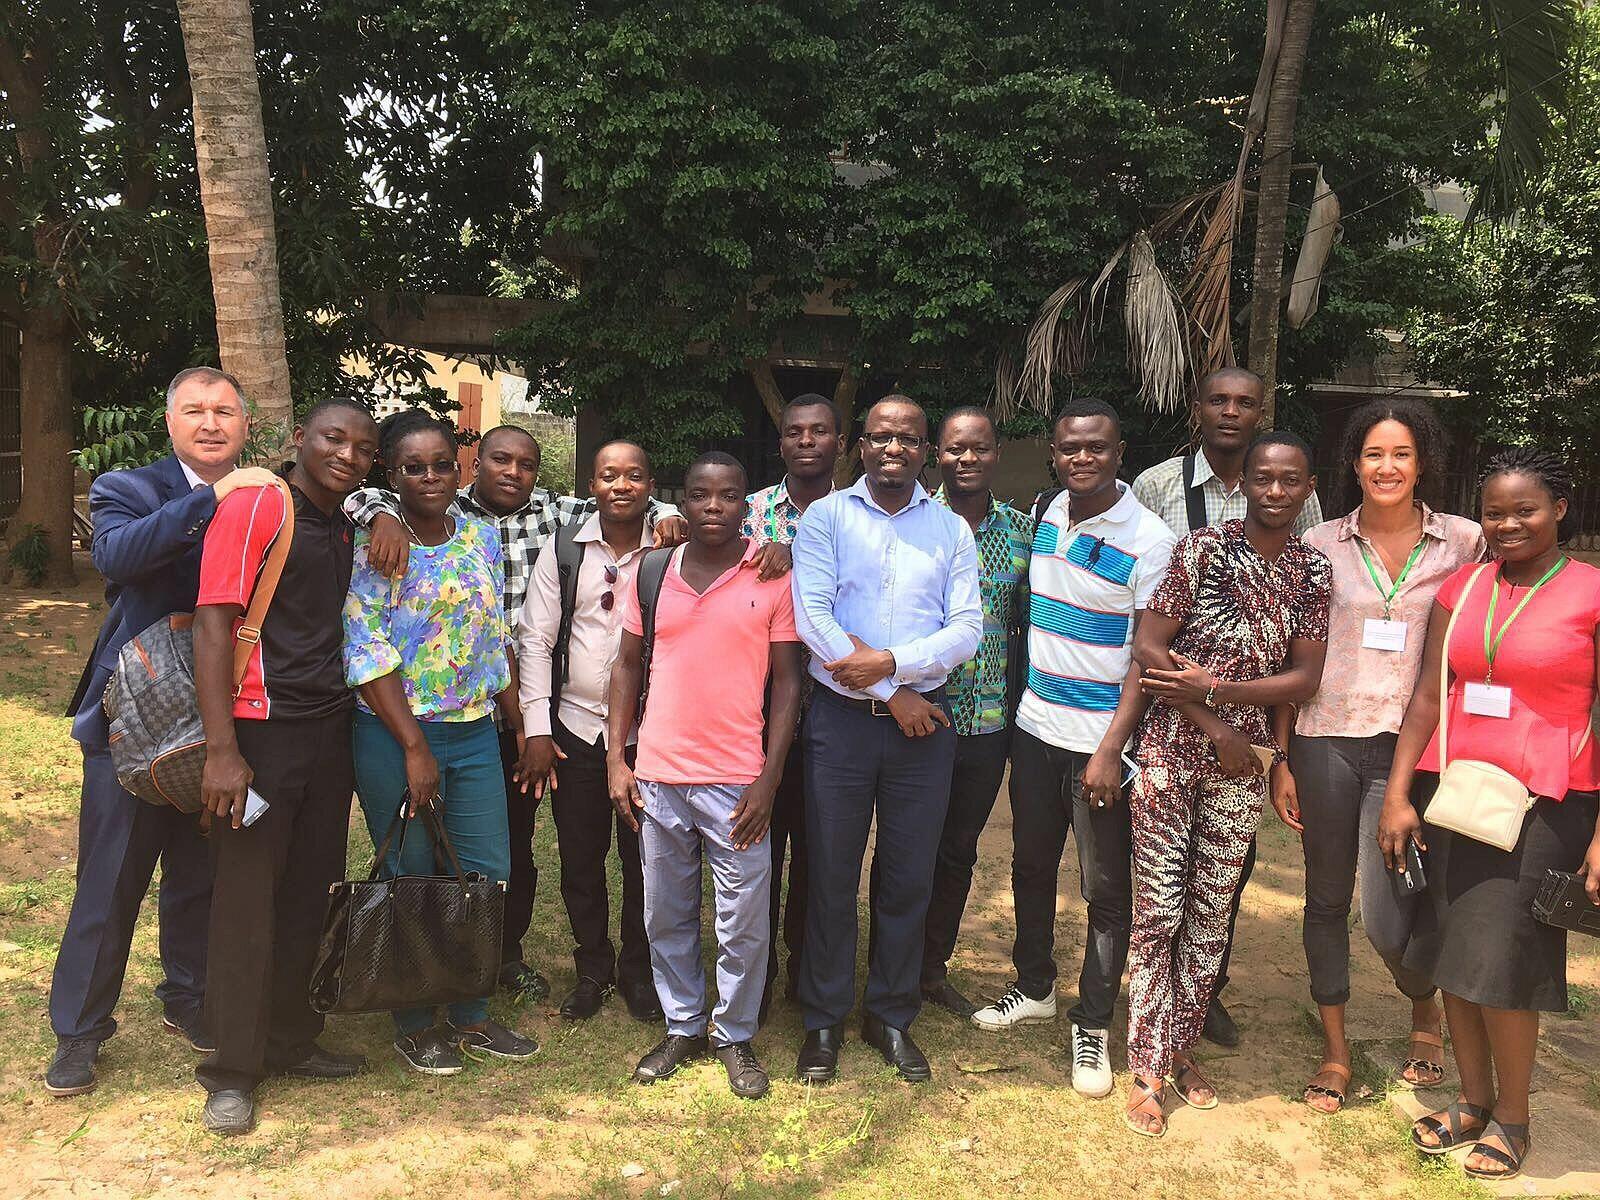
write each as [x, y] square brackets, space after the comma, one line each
[442, 624]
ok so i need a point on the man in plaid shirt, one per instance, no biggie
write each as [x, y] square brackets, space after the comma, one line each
[504, 492]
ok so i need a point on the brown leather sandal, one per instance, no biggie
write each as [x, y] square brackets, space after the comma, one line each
[1335, 1094]
[1185, 1090]
[1421, 1065]
[1140, 1106]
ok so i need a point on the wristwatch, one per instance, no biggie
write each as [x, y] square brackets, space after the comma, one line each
[1211, 694]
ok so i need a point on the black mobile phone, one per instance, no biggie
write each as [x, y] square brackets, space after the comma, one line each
[1562, 902]
[1409, 878]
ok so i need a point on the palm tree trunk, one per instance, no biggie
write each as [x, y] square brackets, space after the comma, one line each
[1272, 205]
[236, 192]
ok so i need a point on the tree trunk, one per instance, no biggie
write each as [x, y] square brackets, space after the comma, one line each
[47, 436]
[844, 402]
[1272, 204]
[236, 192]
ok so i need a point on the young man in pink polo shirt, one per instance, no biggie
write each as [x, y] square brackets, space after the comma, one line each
[708, 766]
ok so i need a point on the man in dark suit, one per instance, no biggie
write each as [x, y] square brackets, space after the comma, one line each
[149, 524]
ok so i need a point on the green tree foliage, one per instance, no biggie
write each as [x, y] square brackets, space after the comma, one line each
[1512, 316]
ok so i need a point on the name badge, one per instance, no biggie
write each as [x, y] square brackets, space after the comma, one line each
[1487, 700]
[1389, 636]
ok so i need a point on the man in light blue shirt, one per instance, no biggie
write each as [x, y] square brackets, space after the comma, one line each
[886, 597]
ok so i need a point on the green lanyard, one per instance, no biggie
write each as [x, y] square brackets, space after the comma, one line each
[1388, 596]
[1491, 644]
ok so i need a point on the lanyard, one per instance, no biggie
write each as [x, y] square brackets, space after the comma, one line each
[1491, 644]
[1388, 596]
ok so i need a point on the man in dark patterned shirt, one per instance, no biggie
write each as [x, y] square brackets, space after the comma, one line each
[809, 442]
[503, 492]
[1239, 625]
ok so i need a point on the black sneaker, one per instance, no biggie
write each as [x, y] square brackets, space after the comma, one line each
[525, 985]
[670, 1053]
[429, 1052]
[71, 1071]
[495, 1040]
[194, 1031]
[747, 1078]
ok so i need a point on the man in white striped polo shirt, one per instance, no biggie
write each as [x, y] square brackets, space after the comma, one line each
[1098, 556]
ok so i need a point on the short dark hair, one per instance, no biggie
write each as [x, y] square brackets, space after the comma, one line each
[811, 400]
[396, 427]
[716, 458]
[1246, 372]
[604, 446]
[1279, 437]
[483, 440]
[1552, 474]
[1086, 407]
[898, 398]
[1426, 431]
[967, 410]
[331, 402]
[205, 374]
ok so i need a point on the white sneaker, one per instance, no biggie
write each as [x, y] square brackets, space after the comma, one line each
[1016, 1008]
[1091, 1062]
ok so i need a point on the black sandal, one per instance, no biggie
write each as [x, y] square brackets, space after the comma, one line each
[1512, 1162]
[1452, 1135]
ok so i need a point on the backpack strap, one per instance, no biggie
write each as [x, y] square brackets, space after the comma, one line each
[1194, 495]
[652, 574]
[569, 557]
[248, 635]
[1042, 503]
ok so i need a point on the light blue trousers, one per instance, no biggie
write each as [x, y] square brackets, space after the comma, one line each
[679, 825]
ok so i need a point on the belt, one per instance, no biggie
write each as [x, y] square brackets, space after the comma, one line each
[875, 707]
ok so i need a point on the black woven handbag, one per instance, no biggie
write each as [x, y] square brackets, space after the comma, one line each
[412, 941]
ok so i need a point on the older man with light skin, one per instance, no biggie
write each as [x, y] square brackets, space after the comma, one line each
[149, 523]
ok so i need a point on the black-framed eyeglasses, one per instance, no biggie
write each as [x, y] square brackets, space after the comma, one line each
[440, 467]
[908, 441]
[608, 598]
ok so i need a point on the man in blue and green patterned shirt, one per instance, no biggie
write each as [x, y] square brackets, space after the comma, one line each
[969, 452]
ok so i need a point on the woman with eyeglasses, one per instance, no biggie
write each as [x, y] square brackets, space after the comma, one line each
[428, 655]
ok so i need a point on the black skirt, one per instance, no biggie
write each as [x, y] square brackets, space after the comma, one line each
[1478, 936]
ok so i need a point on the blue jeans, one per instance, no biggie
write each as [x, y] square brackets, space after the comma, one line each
[472, 792]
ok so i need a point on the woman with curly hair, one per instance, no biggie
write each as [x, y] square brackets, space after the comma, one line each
[1518, 638]
[1390, 555]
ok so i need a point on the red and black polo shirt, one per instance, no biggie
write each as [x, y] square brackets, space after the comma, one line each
[297, 669]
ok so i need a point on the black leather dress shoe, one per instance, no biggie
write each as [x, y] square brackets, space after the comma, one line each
[670, 1053]
[585, 999]
[1219, 1027]
[944, 995]
[819, 1055]
[898, 1050]
[324, 1064]
[229, 1112]
[642, 1001]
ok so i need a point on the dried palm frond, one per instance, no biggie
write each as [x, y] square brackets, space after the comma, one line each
[1060, 340]
[1322, 231]
[1156, 352]
[1208, 291]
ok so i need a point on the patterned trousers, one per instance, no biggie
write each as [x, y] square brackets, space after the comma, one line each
[1191, 831]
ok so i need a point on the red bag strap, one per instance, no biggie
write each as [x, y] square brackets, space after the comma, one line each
[248, 635]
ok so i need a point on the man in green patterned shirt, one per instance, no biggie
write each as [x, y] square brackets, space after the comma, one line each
[969, 452]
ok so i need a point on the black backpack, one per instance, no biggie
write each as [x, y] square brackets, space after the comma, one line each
[569, 557]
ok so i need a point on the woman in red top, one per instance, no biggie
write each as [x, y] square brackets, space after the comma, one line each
[1523, 665]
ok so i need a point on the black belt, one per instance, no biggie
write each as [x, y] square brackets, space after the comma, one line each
[875, 707]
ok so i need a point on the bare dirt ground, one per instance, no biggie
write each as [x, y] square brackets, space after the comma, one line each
[1000, 1117]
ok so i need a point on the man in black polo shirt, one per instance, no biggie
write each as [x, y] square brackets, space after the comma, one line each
[284, 735]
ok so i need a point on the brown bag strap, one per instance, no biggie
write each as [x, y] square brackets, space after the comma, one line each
[1444, 666]
[248, 635]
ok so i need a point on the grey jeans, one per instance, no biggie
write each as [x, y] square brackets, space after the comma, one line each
[1341, 781]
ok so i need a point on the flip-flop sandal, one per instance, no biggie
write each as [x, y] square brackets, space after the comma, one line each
[1127, 1114]
[1511, 1135]
[1423, 1064]
[1189, 1068]
[1317, 1089]
[1451, 1136]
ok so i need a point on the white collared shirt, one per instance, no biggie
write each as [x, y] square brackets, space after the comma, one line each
[195, 482]
[1086, 582]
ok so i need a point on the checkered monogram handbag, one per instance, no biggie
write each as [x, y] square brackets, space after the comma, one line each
[158, 745]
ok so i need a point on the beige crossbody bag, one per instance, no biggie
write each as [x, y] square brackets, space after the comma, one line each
[1476, 799]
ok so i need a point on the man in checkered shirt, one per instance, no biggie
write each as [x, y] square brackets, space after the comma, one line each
[503, 492]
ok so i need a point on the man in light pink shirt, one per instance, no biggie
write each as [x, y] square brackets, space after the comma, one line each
[708, 767]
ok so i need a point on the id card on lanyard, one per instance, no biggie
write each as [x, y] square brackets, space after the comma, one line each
[1387, 634]
[1489, 699]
